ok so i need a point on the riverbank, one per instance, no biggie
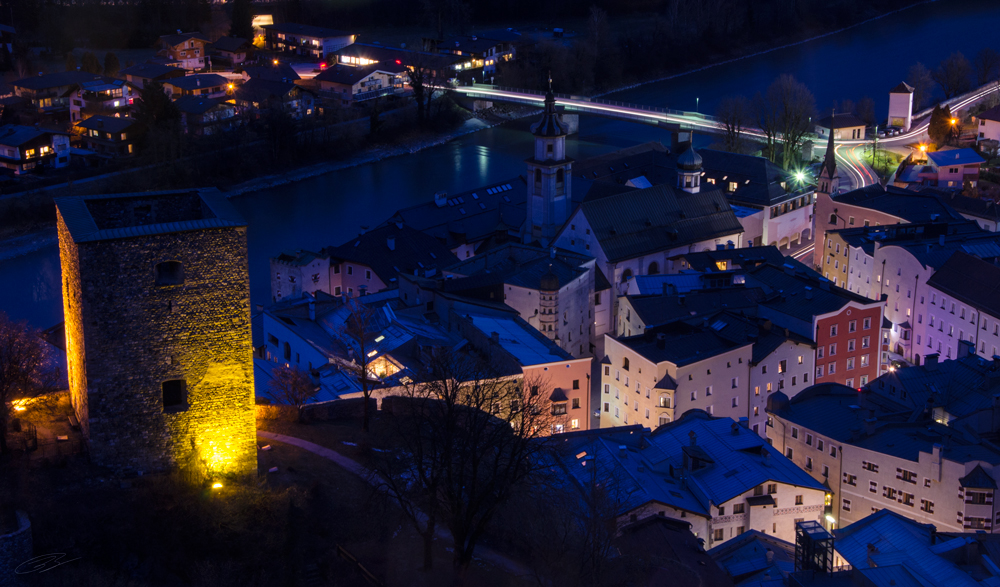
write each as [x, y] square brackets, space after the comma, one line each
[380, 152]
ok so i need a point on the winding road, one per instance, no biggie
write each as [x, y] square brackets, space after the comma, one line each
[849, 152]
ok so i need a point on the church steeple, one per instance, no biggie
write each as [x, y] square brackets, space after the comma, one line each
[689, 169]
[549, 176]
[827, 181]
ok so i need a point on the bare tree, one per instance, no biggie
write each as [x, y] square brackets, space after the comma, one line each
[767, 121]
[987, 65]
[953, 74]
[421, 80]
[25, 369]
[866, 110]
[459, 445]
[293, 386]
[736, 114]
[362, 327]
[792, 106]
[920, 79]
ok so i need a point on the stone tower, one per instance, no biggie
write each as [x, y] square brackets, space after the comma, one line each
[689, 170]
[156, 297]
[550, 200]
[827, 181]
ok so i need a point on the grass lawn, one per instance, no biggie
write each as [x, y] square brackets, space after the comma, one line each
[884, 163]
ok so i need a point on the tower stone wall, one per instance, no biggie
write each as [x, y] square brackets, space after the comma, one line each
[158, 330]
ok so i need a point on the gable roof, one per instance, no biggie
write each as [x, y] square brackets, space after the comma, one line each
[902, 88]
[197, 81]
[656, 219]
[970, 280]
[57, 80]
[842, 120]
[955, 157]
[305, 30]
[112, 124]
[260, 90]
[685, 344]
[152, 71]
[901, 203]
[179, 38]
[345, 74]
[197, 104]
[280, 72]
[232, 44]
[410, 252]
[13, 135]
[992, 114]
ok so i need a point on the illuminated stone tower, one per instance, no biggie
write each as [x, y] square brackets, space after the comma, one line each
[550, 199]
[156, 297]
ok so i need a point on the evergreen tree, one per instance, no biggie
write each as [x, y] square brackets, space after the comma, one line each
[242, 20]
[90, 63]
[940, 125]
[111, 65]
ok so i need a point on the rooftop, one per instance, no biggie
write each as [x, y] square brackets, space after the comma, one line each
[971, 280]
[197, 104]
[651, 465]
[306, 30]
[57, 80]
[112, 124]
[13, 135]
[106, 217]
[392, 249]
[521, 340]
[955, 157]
[198, 81]
[232, 44]
[685, 344]
[639, 222]
[152, 71]
[259, 89]
[842, 120]
[901, 203]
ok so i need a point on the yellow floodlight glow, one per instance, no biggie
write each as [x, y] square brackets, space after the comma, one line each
[275, 61]
[923, 148]
[216, 485]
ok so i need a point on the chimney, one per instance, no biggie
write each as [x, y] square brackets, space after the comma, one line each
[769, 556]
[809, 293]
[931, 362]
[767, 457]
[941, 240]
[680, 300]
[441, 199]
[936, 462]
[966, 348]
[661, 340]
[870, 426]
[872, 551]
[734, 428]
[391, 242]
[495, 337]
[312, 308]
[694, 438]
[622, 451]
[197, 81]
[552, 253]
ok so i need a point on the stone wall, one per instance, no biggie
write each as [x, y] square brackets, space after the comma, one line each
[15, 548]
[140, 335]
[76, 352]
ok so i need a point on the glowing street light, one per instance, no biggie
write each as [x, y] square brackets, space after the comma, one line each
[799, 175]
[275, 61]
[923, 148]
[216, 485]
[954, 121]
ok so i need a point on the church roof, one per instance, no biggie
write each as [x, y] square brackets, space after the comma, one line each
[689, 160]
[830, 159]
[550, 124]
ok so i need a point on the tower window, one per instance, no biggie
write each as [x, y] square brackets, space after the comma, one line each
[538, 176]
[560, 176]
[548, 148]
[174, 395]
[170, 273]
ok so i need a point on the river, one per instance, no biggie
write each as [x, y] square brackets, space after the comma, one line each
[332, 208]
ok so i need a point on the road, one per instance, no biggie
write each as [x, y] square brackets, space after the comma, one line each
[849, 152]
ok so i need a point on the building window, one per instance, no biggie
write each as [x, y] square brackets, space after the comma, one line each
[798, 500]
[851, 480]
[867, 323]
[717, 536]
[788, 452]
[174, 395]
[927, 505]
[847, 505]
[170, 273]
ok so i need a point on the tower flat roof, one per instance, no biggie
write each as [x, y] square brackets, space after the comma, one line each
[117, 216]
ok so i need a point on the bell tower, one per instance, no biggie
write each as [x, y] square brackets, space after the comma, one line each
[550, 200]
[827, 181]
[689, 170]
